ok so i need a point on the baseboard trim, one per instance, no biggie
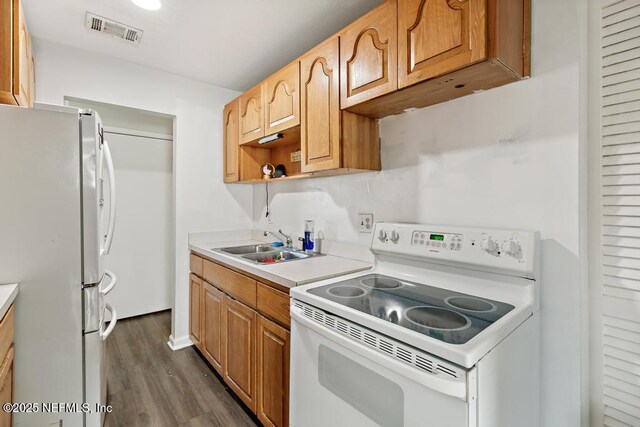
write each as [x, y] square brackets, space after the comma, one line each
[179, 343]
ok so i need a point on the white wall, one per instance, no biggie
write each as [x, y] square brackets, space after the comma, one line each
[508, 157]
[202, 202]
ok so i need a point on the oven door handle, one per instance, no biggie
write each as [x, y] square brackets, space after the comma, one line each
[454, 387]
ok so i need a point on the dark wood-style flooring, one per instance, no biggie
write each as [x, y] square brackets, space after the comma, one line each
[150, 385]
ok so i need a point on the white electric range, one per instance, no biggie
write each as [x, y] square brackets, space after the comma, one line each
[442, 332]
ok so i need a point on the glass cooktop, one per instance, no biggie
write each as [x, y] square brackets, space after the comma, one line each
[445, 315]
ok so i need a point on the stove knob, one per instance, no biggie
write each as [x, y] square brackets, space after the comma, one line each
[394, 236]
[512, 248]
[489, 245]
[382, 235]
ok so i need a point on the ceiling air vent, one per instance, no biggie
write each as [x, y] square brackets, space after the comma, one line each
[113, 28]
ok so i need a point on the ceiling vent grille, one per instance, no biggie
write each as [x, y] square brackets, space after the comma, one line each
[113, 28]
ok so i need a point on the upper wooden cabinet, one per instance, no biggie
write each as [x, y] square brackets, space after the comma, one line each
[368, 56]
[439, 36]
[16, 61]
[332, 142]
[320, 133]
[403, 54]
[251, 114]
[22, 58]
[282, 99]
[231, 141]
[452, 48]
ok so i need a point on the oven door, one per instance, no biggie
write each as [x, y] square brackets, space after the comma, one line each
[338, 381]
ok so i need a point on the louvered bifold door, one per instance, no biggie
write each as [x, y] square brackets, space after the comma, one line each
[620, 237]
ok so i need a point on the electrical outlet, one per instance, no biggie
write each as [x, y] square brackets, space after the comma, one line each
[366, 222]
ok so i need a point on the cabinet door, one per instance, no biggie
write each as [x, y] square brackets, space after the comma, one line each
[282, 99]
[195, 300]
[251, 115]
[212, 325]
[6, 52]
[439, 36]
[6, 387]
[273, 374]
[32, 77]
[320, 127]
[239, 350]
[231, 141]
[368, 56]
[21, 58]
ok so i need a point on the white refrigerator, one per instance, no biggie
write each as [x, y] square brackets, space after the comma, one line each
[57, 217]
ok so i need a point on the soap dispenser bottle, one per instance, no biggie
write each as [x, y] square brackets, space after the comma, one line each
[307, 243]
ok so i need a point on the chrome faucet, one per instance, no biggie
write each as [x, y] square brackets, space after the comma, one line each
[289, 242]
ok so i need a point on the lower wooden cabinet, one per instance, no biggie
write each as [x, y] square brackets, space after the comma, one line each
[212, 308]
[195, 317]
[6, 387]
[273, 373]
[239, 350]
[6, 365]
[246, 339]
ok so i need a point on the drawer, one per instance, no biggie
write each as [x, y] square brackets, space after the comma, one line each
[195, 264]
[6, 332]
[273, 304]
[235, 284]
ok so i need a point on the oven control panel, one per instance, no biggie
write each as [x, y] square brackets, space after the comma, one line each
[512, 252]
[437, 240]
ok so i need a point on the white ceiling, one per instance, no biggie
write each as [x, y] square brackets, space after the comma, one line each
[230, 43]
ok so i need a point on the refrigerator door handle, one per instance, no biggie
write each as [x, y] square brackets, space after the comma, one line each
[112, 200]
[114, 319]
[112, 282]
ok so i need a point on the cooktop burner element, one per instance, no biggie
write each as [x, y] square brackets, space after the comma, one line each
[470, 304]
[437, 318]
[380, 282]
[346, 291]
[448, 316]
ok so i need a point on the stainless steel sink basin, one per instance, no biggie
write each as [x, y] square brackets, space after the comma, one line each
[275, 256]
[248, 249]
[265, 254]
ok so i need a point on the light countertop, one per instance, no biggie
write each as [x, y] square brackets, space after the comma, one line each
[288, 274]
[8, 294]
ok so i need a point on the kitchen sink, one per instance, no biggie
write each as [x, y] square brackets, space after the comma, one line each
[248, 249]
[265, 253]
[275, 256]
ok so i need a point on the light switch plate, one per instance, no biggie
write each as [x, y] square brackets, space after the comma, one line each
[366, 222]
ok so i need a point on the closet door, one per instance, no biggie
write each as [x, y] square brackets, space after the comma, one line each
[615, 199]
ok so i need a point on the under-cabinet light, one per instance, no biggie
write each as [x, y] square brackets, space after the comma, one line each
[270, 138]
